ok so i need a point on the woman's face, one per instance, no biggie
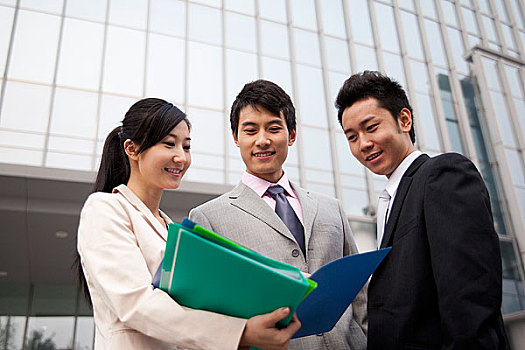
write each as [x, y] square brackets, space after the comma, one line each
[163, 165]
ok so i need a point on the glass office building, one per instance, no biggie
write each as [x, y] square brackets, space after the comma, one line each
[71, 68]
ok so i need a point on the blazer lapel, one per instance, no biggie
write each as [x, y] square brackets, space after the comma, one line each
[131, 197]
[247, 200]
[399, 199]
[309, 208]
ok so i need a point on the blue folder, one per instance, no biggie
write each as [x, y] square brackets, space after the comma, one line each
[337, 285]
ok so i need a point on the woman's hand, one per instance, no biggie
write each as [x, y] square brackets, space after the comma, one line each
[260, 331]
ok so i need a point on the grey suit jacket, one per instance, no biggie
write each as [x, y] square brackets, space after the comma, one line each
[241, 215]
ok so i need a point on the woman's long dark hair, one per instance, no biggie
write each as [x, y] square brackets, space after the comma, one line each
[146, 123]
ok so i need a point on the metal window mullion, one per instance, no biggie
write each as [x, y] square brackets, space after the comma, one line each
[53, 85]
[439, 118]
[513, 211]
[225, 109]
[462, 26]
[457, 96]
[293, 71]
[326, 87]
[186, 55]
[513, 115]
[100, 85]
[499, 31]
[375, 34]
[9, 53]
[258, 38]
[481, 25]
[408, 72]
[146, 48]
[349, 37]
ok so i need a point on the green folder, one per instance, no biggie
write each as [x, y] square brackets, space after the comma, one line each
[206, 271]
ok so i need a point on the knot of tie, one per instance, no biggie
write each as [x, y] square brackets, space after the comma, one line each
[274, 191]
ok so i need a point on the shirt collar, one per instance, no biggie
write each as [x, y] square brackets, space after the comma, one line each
[260, 186]
[395, 179]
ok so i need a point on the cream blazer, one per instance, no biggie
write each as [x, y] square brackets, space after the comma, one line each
[121, 245]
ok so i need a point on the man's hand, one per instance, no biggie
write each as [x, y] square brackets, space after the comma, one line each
[260, 331]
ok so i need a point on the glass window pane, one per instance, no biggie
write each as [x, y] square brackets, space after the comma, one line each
[12, 331]
[505, 128]
[364, 235]
[327, 190]
[355, 202]
[424, 114]
[240, 32]
[470, 20]
[307, 47]
[419, 76]
[491, 74]
[112, 111]
[428, 9]
[387, 27]
[213, 3]
[516, 167]
[412, 35]
[6, 23]
[407, 4]
[205, 175]
[335, 82]
[360, 21]
[53, 6]
[310, 83]
[74, 113]
[21, 156]
[502, 11]
[347, 162]
[270, 46]
[484, 6]
[273, 9]
[434, 37]
[22, 140]
[394, 68]
[211, 32]
[509, 37]
[279, 72]
[205, 85]
[241, 68]
[303, 14]
[128, 13]
[488, 23]
[365, 58]
[516, 11]
[337, 55]
[316, 148]
[320, 176]
[520, 109]
[70, 145]
[50, 332]
[80, 61]
[207, 132]
[85, 333]
[514, 80]
[124, 61]
[94, 10]
[244, 6]
[513, 294]
[168, 17]
[25, 107]
[35, 47]
[68, 161]
[333, 17]
[165, 68]
[449, 13]
[456, 43]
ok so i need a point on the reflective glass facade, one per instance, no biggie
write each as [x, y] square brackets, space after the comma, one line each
[71, 68]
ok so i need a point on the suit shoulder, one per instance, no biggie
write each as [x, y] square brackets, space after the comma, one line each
[447, 161]
[215, 204]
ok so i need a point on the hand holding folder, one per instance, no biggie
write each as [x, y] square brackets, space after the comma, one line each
[206, 271]
[203, 270]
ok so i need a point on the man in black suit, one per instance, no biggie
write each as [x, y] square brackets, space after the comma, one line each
[440, 286]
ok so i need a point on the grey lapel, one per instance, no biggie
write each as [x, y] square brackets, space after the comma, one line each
[247, 200]
[309, 208]
[401, 194]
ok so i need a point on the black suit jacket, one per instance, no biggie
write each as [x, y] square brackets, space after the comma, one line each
[440, 286]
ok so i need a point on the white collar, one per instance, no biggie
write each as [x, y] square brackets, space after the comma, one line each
[395, 178]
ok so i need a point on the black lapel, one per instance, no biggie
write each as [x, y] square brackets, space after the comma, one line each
[401, 193]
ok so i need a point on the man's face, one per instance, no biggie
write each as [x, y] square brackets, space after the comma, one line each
[376, 139]
[263, 139]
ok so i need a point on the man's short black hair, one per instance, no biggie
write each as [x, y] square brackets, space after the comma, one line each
[388, 93]
[265, 94]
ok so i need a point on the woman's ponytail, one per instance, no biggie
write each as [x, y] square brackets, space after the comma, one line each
[114, 165]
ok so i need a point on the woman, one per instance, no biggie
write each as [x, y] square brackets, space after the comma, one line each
[122, 236]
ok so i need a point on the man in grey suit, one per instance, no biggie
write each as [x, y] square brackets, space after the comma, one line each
[277, 218]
